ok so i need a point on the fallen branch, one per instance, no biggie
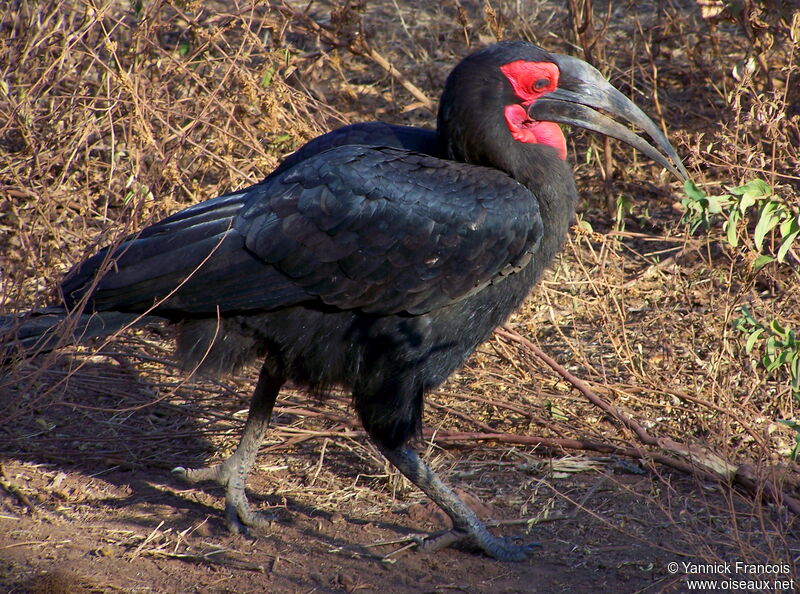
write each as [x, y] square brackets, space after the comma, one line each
[700, 461]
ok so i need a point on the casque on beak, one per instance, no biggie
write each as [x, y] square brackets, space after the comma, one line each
[581, 88]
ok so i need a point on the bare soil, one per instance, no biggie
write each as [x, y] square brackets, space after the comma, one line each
[89, 504]
[105, 514]
[137, 531]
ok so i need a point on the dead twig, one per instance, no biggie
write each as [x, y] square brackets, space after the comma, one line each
[701, 461]
[213, 557]
[407, 84]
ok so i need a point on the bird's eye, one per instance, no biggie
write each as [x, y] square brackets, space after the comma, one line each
[541, 84]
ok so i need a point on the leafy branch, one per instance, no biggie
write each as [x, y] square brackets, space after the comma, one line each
[775, 219]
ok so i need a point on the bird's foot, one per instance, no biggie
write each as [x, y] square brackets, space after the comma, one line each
[502, 549]
[239, 517]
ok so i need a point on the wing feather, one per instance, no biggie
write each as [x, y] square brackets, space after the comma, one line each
[381, 229]
[390, 231]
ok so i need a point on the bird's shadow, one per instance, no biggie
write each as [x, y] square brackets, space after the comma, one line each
[124, 420]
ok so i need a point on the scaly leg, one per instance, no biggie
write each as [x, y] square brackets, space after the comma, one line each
[232, 473]
[467, 528]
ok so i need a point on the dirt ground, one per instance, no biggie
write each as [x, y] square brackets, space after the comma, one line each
[116, 113]
[100, 528]
[137, 531]
[89, 504]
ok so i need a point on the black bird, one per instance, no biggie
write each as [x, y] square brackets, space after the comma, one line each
[376, 258]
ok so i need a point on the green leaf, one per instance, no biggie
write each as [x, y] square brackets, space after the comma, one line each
[731, 226]
[747, 318]
[714, 204]
[766, 222]
[693, 191]
[745, 203]
[761, 261]
[751, 340]
[787, 243]
[624, 204]
[266, 78]
[772, 347]
[779, 360]
[790, 226]
[776, 327]
[753, 190]
[585, 225]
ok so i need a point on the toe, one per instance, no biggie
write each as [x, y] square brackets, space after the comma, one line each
[196, 475]
[502, 549]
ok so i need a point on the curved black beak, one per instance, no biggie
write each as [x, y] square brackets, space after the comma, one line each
[581, 87]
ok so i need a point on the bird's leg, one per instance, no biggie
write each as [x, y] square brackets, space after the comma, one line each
[232, 473]
[467, 528]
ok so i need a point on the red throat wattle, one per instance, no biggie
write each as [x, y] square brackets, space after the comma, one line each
[531, 80]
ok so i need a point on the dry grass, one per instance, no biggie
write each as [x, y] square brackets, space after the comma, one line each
[110, 118]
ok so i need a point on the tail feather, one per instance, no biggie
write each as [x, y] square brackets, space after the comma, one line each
[47, 329]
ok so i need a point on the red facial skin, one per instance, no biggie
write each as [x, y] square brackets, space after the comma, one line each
[531, 80]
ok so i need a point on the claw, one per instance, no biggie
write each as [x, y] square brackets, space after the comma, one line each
[217, 473]
[502, 549]
[239, 517]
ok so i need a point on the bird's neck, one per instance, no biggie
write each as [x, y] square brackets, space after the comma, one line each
[539, 167]
[552, 183]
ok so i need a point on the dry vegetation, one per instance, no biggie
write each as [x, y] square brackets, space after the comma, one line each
[116, 113]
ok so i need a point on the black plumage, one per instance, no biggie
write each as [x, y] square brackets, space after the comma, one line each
[375, 258]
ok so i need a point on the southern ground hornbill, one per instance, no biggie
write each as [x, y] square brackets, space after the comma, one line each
[376, 258]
